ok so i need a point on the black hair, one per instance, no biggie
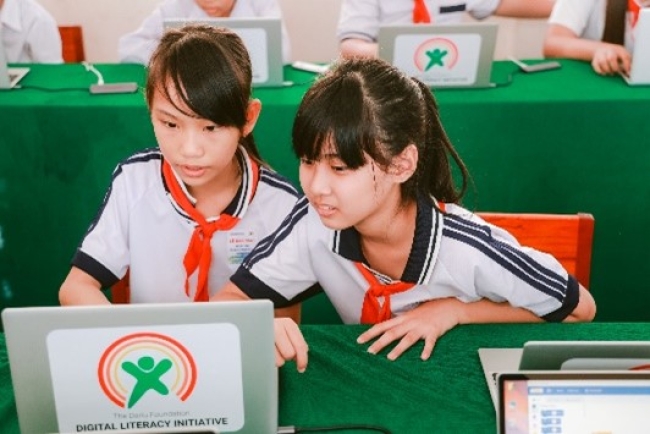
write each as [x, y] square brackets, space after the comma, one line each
[368, 107]
[210, 70]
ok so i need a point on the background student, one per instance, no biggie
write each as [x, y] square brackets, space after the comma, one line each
[180, 218]
[360, 19]
[29, 33]
[590, 30]
[136, 47]
[381, 230]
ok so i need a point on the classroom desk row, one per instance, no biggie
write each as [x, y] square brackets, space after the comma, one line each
[345, 384]
[561, 141]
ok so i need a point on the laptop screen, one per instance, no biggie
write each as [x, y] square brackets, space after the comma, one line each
[574, 402]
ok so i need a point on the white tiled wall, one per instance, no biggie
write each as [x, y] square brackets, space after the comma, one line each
[311, 25]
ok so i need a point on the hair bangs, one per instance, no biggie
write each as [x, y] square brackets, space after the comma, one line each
[333, 119]
[217, 100]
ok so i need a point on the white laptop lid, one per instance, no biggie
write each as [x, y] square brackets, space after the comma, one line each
[458, 55]
[144, 366]
[638, 43]
[562, 355]
[261, 36]
[9, 77]
[574, 402]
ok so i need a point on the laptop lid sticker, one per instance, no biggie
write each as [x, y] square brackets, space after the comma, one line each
[108, 379]
[439, 60]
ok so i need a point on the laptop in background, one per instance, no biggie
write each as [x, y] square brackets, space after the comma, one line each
[262, 38]
[574, 402]
[185, 366]
[449, 55]
[637, 41]
[9, 77]
[563, 355]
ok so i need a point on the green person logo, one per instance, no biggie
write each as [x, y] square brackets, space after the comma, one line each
[147, 376]
[435, 58]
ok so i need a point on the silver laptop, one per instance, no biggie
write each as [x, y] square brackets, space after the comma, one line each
[261, 36]
[149, 367]
[457, 55]
[638, 43]
[571, 402]
[563, 355]
[9, 77]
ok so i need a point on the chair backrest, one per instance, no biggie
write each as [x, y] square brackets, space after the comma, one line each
[73, 46]
[568, 237]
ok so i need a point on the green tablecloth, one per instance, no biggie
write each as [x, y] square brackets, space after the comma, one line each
[560, 141]
[345, 384]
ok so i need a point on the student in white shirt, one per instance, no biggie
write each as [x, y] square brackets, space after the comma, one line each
[360, 19]
[381, 230]
[576, 30]
[137, 46]
[29, 33]
[181, 218]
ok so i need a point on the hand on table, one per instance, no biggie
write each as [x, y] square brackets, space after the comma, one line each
[610, 59]
[289, 343]
[427, 322]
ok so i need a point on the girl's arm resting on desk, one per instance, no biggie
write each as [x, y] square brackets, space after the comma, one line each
[525, 8]
[80, 288]
[432, 319]
[353, 47]
[289, 342]
[605, 58]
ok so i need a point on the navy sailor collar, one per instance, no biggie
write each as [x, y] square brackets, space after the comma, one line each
[424, 250]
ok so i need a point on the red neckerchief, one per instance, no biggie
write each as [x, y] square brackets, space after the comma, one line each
[372, 312]
[199, 251]
[420, 12]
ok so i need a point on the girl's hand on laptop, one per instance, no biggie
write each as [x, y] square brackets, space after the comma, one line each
[610, 59]
[427, 322]
[289, 344]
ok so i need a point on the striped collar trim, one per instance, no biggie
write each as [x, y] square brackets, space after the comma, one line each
[424, 250]
[239, 204]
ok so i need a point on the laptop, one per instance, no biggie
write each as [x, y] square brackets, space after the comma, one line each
[598, 402]
[261, 36]
[449, 55]
[149, 367]
[638, 44]
[563, 355]
[9, 77]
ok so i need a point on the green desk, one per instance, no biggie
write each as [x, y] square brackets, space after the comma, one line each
[559, 141]
[345, 384]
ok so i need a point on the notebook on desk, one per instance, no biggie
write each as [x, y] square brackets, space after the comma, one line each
[458, 55]
[262, 38]
[638, 44]
[562, 355]
[144, 366]
[597, 402]
[9, 77]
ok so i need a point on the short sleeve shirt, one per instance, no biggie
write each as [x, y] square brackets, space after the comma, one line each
[453, 254]
[585, 18]
[29, 34]
[139, 45]
[360, 19]
[141, 228]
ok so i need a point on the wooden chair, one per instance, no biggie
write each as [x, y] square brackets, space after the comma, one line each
[568, 237]
[73, 46]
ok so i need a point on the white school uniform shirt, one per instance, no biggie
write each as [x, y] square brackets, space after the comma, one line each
[360, 19]
[454, 254]
[138, 46]
[585, 18]
[141, 228]
[29, 33]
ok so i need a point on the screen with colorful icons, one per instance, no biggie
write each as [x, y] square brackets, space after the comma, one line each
[576, 406]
